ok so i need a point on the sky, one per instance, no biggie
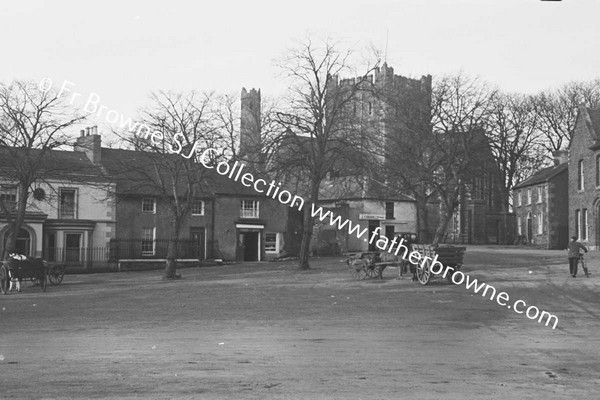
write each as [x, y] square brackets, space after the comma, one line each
[121, 51]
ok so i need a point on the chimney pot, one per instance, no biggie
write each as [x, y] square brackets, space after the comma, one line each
[82, 133]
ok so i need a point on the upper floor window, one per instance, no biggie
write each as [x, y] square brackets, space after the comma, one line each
[197, 207]
[67, 204]
[540, 190]
[389, 210]
[519, 198]
[580, 176]
[249, 209]
[149, 206]
[529, 196]
[8, 195]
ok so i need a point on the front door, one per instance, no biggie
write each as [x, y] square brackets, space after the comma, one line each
[73, 247]
[248, 246]
[373, 225]
[197, 238]
[529, 229]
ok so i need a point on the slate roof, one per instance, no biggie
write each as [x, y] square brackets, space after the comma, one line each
[54, 164]
[542, 176]
[128, 168]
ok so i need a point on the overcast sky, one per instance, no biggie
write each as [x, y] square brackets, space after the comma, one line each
[122, 50]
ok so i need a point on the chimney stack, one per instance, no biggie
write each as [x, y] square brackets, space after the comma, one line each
[91, 145]
[560, 157]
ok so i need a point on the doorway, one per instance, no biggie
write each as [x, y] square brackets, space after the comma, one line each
[198, 242]
[248, 246]
[373, 225]
[72, 246]
[529, 228]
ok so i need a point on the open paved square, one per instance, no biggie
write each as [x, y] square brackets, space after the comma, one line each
[269, 331]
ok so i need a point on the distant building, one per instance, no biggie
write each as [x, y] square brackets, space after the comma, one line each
[541, 205]
[584, 178]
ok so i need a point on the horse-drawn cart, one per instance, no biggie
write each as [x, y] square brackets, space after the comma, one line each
[11, 269]
[371, 264]
[451, 258]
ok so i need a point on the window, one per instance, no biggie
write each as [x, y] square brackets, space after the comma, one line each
[540, 223]
[580, 176]
[598, 170]
[271, 243]
[529, 196]
[370, 106]
[67, 206]
[519, 199]
[149, 206]
[389, 210]
[577, 220]
[197, 207]
[539, 193]
[148, 242]
[249, 209]
[584, 224]
[8, 196]
[519, 226]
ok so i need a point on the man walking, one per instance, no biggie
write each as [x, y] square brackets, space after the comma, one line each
[574, 249]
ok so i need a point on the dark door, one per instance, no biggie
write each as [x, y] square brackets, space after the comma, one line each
[72, 246]
[389, 232]
[198, 240]
[372, 226]
[529, 229]
[249, 246]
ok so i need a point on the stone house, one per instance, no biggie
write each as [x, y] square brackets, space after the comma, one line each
[584, 178]
[541, 205]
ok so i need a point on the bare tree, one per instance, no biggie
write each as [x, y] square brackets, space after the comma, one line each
[178, 127]
[461, 108]
[318, 130]
[557, 111]
[515, 140]
[33, 122]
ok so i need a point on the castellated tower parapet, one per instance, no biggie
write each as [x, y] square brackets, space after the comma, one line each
[250, 126]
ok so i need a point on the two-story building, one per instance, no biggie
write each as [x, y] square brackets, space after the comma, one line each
[541, 206]
[69, 215]
[584, 178]
[226, 220]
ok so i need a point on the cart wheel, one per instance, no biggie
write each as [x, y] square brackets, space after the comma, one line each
[423, 272]
[43, 282]
[3, 279]
[56, 274]
[373, 272]
[359, 270]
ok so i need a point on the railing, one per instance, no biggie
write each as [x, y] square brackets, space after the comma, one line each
[138, 249]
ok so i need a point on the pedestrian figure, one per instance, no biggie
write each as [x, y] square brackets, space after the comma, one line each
[574, 249]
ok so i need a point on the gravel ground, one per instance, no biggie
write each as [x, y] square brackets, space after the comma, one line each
[269, 331]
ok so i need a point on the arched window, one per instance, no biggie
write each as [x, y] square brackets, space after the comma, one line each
[584, 224]
[577, 223]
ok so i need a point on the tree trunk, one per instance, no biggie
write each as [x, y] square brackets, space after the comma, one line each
[307, 227]
[17, 223]
[422, 220]
[445, 219]
[171, 267]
